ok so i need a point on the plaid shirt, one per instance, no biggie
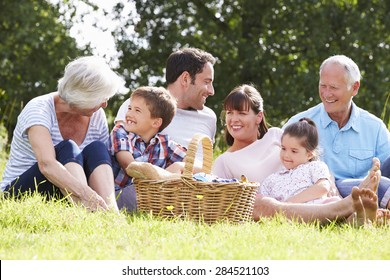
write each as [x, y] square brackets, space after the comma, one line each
[161, 151]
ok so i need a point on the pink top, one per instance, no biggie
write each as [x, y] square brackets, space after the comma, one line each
[256, 161]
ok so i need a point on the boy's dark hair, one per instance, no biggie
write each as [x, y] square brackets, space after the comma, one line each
[160, 102]
[306, 130]
[191, 60]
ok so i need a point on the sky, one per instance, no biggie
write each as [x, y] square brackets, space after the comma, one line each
[89, 30]
[85, 32]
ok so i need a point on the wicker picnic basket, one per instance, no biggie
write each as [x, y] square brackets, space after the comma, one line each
[186, 197]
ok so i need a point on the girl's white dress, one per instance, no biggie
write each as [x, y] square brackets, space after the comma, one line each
[286, 183]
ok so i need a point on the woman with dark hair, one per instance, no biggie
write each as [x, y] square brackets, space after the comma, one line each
[254, 149]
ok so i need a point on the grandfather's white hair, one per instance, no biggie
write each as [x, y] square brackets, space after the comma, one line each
[352, 70]
[87, 82]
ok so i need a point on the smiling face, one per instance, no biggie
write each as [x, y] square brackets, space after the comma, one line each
[293, 153]
[336, 92]
[139, 120]
[243, 126]
[198, 90]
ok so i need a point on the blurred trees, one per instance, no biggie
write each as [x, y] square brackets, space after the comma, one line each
[34, 49]
[276, 45]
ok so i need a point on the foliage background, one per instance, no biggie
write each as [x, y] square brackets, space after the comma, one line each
[276, 45]
[33, 51]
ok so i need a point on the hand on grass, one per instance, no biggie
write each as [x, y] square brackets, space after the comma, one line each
[92, 201]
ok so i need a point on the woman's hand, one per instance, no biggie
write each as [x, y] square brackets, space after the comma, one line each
[72, 184]
[92, 201]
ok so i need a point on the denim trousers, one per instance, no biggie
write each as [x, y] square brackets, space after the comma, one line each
[92, 156]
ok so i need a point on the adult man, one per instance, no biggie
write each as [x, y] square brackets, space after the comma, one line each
[349, 136]
[189, 77]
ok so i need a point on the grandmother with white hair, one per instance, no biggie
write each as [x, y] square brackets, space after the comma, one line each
[349, 136]
[58, 147]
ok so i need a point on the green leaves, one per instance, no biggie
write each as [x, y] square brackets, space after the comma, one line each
[276, 45]
[34, 50]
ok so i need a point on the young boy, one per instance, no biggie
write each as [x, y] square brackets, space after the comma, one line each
[138, 138]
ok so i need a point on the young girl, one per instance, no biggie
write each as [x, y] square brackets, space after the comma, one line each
[304, 178]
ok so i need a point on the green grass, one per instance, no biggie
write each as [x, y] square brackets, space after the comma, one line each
[3, 149]
[32, 228]
[36, 229]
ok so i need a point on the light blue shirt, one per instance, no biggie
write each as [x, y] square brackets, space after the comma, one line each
[348, 151]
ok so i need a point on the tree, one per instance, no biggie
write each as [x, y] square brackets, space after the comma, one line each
[276, 45]
[34, 49]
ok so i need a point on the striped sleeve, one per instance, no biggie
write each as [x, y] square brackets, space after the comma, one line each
[37, 112]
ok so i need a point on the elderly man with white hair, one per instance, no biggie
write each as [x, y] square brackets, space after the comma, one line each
[350, 137]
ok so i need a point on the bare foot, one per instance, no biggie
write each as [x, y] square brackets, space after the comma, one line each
[365, 203]
[383, 217]
[264, 207]
[360, 216]
[374, 171]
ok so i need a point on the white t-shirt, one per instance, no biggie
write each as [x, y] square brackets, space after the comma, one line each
[184, 124]
[41, 111]
[256, 161]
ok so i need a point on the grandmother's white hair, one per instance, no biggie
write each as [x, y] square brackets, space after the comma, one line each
[351, 69]
[88, 81]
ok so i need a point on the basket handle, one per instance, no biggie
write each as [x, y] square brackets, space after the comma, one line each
[191, 154]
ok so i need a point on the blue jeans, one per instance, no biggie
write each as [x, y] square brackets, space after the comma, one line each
[89, 158]
[345, 185]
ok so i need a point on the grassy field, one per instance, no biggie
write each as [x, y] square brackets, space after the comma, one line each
[34, 229]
